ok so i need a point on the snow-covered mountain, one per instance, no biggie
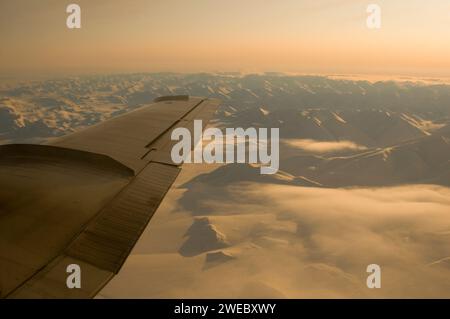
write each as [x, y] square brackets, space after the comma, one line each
[334, 132]
[313, 107]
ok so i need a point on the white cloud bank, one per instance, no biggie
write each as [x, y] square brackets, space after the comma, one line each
[322, 147]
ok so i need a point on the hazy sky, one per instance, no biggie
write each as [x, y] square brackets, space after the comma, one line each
[315, 36]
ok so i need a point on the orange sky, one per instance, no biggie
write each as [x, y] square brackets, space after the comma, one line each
[320, 36]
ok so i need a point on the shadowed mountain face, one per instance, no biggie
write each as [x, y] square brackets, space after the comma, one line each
[202, 236]
[425, 160]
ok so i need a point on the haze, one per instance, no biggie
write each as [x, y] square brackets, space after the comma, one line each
[324, 36]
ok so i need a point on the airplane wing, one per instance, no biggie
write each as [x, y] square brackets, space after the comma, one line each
[85, 198]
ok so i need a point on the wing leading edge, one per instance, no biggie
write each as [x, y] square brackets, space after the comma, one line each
[86, 198]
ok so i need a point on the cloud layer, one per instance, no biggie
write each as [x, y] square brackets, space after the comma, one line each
[288, 241]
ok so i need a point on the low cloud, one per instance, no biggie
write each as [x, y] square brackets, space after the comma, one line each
[322, 147]
[300, 242]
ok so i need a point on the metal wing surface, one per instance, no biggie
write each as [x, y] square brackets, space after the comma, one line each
[86, 198]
